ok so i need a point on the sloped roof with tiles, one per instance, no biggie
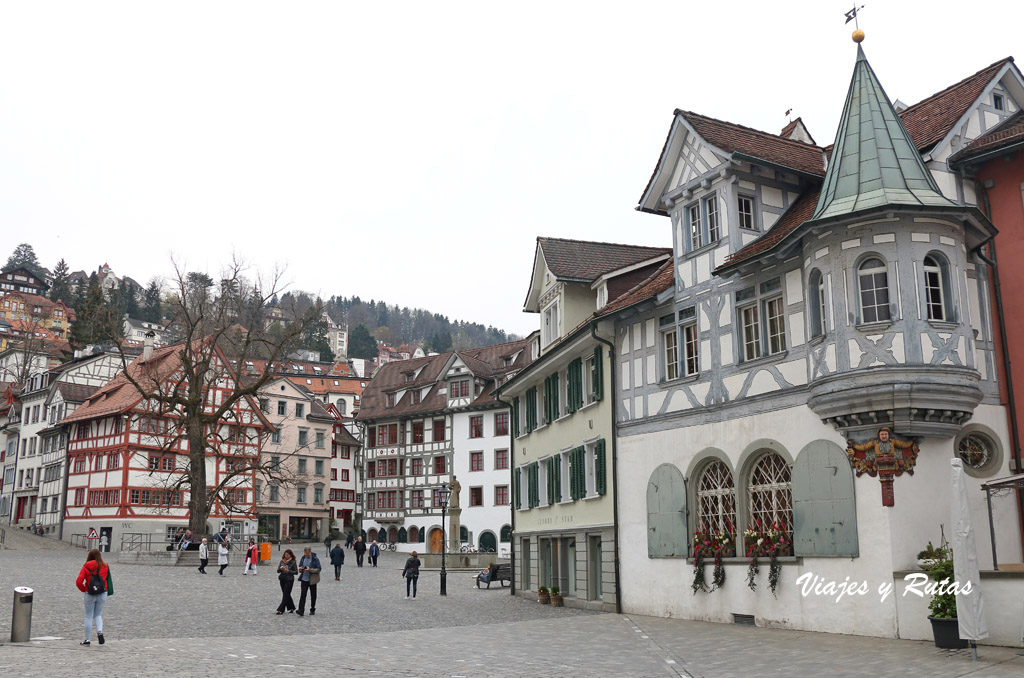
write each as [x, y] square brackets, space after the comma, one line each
[773, 148]
[1009, 133]
[661, 280]
[586, 261]
[120, 394]
[931, 119]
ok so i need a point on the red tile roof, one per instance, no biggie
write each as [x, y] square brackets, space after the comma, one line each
[772, 148]
[587, 261]
[798, 213]
[661, 280]
[930, 120]
[119, 394]
[1008, 133]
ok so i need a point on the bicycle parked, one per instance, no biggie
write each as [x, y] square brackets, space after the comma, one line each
[390, 546]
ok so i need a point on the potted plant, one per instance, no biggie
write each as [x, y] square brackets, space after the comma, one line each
[543, 597]
[773, 543]
[556, 597]
[932, 555]
[945, 628]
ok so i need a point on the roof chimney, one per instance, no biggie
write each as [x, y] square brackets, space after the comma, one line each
[147, 345]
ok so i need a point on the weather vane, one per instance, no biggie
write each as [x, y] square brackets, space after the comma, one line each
[858, 34]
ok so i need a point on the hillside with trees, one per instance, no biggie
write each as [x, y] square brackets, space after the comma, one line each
[99, 312]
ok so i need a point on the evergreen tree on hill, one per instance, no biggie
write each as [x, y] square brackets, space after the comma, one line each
[60, 289]
[361, 344]
[24, 255]
[151, 303]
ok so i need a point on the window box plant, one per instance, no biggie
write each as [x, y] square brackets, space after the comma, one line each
[556, 597]
[772, 542]
[708, 544]
[543, 596]
[945, 627]
[932, 555]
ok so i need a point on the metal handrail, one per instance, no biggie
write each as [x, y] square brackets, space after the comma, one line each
[79, 540]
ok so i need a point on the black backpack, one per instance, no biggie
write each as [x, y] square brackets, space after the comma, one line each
[96, 585]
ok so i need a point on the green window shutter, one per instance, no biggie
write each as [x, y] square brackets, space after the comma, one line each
[598, 385]
[579, 477]
[824, 506]
[515, 488]
[550, 482]
[535, 482]
[599, 467]
[515, 417]
[666, 513]
[576, 379]
[556, 471]
[554, 396]
[531, 409]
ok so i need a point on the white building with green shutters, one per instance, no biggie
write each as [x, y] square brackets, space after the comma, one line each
[563, 447]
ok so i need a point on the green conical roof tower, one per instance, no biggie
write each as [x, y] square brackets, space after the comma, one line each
[874, 161]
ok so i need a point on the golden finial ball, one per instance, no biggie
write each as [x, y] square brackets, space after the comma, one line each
[858, 36]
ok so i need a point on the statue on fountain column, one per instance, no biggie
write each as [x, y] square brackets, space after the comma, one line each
[455, 486]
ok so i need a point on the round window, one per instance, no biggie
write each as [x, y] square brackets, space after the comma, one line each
[978, 452]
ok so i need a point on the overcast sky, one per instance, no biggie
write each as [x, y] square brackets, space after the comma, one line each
[410, 151]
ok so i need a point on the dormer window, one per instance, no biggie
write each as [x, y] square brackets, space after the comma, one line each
[458, 389]
[550, 324]
[998, 102]
[409, 377]
[745, 210]
[389, 400]
[602, 295]
[415, 397]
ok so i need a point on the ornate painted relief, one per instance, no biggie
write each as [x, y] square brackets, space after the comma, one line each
[885, 457]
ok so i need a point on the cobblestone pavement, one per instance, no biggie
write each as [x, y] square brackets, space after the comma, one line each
[172, 621]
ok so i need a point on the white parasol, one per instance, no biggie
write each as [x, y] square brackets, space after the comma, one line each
[970, 609]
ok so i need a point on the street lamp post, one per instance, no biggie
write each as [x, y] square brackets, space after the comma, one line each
[443, 494]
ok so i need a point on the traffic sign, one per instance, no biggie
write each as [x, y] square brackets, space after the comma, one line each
[92, 533]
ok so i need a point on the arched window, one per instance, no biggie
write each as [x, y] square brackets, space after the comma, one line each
[402, 535]
[414, 535]
[463, 534]
[342, 406]
[816, 304]
[716, 499]
[936, 288]
[372, 534]
[873, 277]
[487, 543]
[770, 493]
[506, 534]
[392, 535]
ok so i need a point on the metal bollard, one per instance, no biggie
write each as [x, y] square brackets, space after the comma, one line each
[21, 618]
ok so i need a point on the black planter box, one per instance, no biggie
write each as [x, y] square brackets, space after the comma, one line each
[947, 633]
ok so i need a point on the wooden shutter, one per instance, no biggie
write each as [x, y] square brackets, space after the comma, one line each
[547, 398]
[515, 416]
[556, 471]
[599, 467]
[824, 505]
[577, 390]
[551, 481]
[554, 396]
[598, 385]
[515, 488]
[666, 513]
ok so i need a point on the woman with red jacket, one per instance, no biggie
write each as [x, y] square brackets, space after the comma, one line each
[94, 581]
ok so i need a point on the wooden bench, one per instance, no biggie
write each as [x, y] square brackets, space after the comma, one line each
[501, 572]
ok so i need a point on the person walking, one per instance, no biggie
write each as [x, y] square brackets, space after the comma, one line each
[223, 549]
[95, 582]
[337, 559]
[360, 549]
[327, 543]
[350, 539]
[411, 572]
[287, 570]
[204, 555]
[252, 556]
[309, 577]
[374, 552]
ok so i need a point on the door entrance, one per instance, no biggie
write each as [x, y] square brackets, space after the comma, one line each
[595, 585]
[487, 543]
[436, 540]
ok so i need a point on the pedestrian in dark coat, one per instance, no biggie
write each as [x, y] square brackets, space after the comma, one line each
[327, 543]
[337, 559]
[374, 552]
[287, 570]
[309, 577]
[350, 540]
[411, 572]
[360, 549]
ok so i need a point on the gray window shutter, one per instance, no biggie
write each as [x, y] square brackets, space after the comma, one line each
[666, 513]
[824, 506]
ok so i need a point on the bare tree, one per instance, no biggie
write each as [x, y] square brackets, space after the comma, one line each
[28, 352]
[202, 395]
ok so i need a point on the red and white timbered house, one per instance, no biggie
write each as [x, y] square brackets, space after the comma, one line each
[127, 459]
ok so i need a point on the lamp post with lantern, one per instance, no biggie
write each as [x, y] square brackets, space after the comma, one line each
[443, 495]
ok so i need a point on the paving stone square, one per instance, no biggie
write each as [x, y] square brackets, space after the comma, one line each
[173, 621]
